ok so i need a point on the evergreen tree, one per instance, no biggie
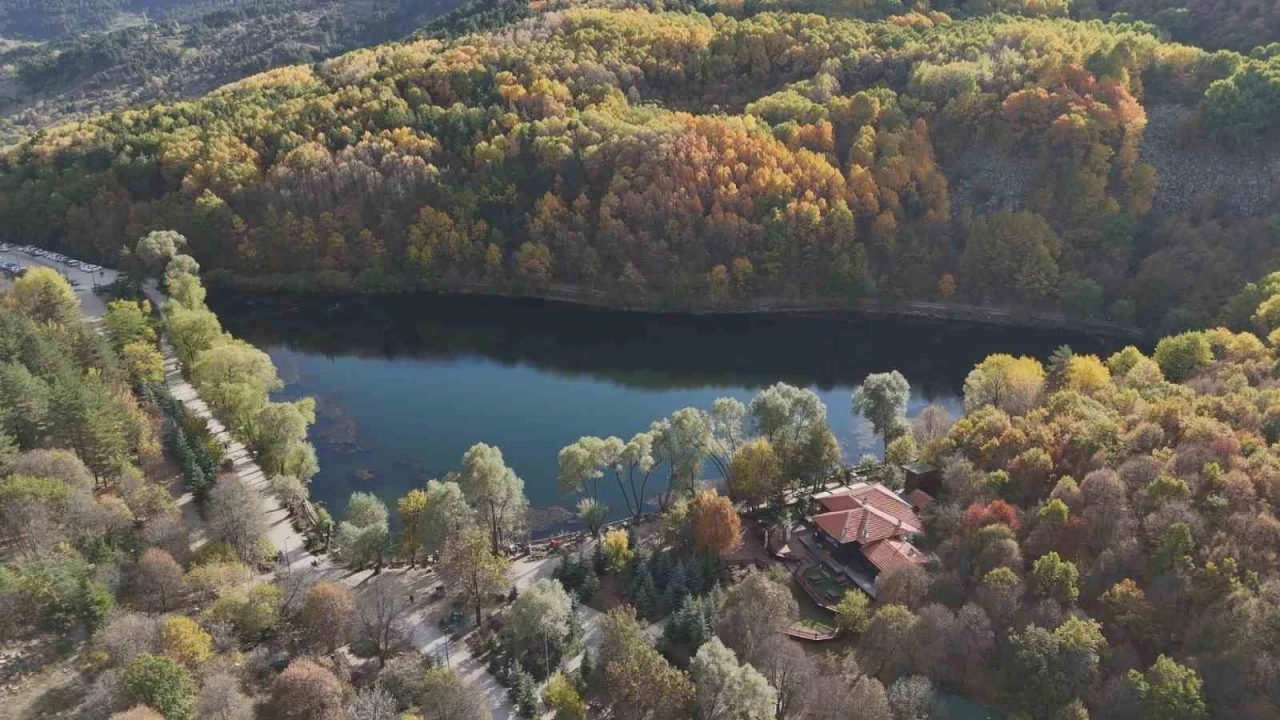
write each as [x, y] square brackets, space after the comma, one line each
[642, 593]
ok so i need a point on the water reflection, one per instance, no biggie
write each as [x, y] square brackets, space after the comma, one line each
[405, 384]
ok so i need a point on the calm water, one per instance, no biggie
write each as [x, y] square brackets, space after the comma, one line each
[406, 384]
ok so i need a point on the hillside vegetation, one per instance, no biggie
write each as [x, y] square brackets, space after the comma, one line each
[680, 157]
[167, 51]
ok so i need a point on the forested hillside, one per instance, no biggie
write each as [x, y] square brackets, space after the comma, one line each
[102, 59]
[1108, 543]
[683, 157]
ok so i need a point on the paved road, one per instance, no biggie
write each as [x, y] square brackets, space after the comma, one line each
[91, 306]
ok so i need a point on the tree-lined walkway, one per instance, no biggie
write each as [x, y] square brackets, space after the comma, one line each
[280, 531]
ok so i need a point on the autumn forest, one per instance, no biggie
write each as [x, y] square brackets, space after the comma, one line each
[725, 156]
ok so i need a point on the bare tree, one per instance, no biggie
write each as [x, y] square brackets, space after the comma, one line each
[306, 691]
[911, 698]
[169, 533]
[380, 615]
[326, 615]
[236, 518]
[447, 696]
[373, 703]
[126, 635]
[157, 580]
[788, 669]
[755, 611]
[903, 585]
[221, 699]
[868, 700]
[932, 423]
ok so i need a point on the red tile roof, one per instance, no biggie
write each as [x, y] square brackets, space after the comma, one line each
[891, 553]
[845, 501]
[866, 514]
[862, 525]
[920, 499]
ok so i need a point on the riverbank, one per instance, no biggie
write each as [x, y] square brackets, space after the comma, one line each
[337, 284]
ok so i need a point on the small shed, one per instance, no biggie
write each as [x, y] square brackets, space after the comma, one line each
[923, 476]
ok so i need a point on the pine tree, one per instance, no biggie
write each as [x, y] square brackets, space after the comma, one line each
[642, 593]
[677, 586]
[586, 671]
[590, 586]
[524, 694]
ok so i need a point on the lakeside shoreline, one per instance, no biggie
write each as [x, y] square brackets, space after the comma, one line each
[835, 310]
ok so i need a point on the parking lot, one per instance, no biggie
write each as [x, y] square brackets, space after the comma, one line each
[83, 276]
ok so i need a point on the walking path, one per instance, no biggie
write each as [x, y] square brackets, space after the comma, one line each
[424, 632]
[279, 526]
[422, 623]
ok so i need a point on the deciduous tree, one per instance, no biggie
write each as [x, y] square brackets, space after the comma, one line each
[160, 683]
[235, 517]
[306, 691]
[471, 568]
[727, 690]
[326, 615]
[882, 400]
[183, 640]
[494, 491]
[715, 522]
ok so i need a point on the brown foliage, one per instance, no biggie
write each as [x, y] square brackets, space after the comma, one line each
[715, 522]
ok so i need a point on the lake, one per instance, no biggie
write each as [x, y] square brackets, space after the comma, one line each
[405, 384]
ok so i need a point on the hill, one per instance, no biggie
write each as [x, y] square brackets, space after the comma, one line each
[680, 157]
[101, 59]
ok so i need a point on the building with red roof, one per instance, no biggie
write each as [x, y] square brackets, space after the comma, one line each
[867, 526]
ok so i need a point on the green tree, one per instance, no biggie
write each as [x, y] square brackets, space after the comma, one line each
[160, 682]
[1168, 691]
[727, 690]
[84, 416]
[157, 248]
[446, 514]
[1083, 300]
[362, 537]
[882, 400]
[853, 614]
[494, 491]
[473, 570]
[1051, 669]
[46, 297]
[235, 378]
[1180, 355]
[24, 404]
[592, 513]
[126, 322]
[563, 699]
[638, 682]
[412, 508]
[540, 623]
[280, 438]
[1011, 257]
[1055, 578]
[192, 332]
[63, 592]
[755, 474]
[144, 362]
